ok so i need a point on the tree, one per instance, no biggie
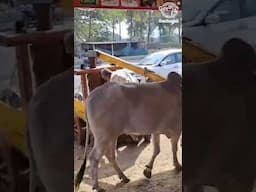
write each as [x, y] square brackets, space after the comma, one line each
[130, 22]
[149, 26]
[86, 24]
[112, 18]
[94, 25]
[138, 24]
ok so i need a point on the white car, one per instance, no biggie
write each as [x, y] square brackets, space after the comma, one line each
[216, 21]
[163, 62]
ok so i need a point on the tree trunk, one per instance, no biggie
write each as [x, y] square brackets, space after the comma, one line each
[180, 30]
[149, 27]
[113, 28]
[90, 27]
[132, 27]
[141, 27]
[160, 32]
[120, 29]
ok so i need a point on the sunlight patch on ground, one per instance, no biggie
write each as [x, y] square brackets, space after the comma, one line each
[133, 160]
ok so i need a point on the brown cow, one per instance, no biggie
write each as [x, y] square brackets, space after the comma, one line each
[153, 108]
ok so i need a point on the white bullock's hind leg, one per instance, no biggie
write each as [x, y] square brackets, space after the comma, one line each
[174, 142]
[156, 144]
[35, 184]
[110, 154]
[95, 156]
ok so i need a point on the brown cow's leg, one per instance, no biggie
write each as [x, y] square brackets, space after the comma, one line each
[110, 154]
[156, 144]
[95, 157]
[174, 142]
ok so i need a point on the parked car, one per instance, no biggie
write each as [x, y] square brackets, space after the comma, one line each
[220, 20]
[162, 63]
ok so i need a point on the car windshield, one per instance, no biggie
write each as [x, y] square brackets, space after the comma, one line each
[198, 6]
[231, 10]
[152, 59]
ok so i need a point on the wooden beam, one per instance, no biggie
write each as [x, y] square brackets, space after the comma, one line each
[95, 70]
[33, 37]
[193, 52]
[24, 74]
[127, 65]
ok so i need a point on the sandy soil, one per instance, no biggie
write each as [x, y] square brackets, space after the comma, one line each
[132, 161]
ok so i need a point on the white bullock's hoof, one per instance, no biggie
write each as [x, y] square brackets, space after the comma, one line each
[98, 189]
[178, 168]
[147, 173]
[125, 180]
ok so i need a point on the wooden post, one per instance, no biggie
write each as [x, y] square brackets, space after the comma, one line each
[92, 62]
[44, 16]
[92, 55]
[47, 61]
[24, 74]
[112, 48]
[84, 83]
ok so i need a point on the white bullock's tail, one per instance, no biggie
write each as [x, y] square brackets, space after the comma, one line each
[80, 175]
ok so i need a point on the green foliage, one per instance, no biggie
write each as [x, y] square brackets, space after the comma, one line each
[93, 25]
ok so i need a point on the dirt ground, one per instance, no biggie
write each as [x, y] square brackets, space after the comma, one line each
[132, 161]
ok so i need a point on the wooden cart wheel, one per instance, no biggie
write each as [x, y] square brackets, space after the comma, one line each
[7, 174]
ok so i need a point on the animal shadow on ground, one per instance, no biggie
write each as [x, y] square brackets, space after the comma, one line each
[126, 158]
[167, 181]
